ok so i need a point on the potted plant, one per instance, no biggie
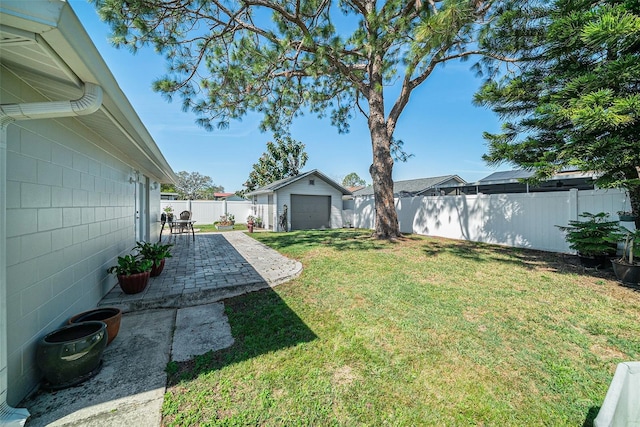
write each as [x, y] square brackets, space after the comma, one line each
[168, 210]
[626, 216]
[225, 222]
[627, 268]
[133, 273]
[595, 239]
[258, 222]
[156, 252]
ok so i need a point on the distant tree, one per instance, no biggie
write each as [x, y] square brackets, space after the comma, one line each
[575, 100]
[283, 159]
[353, 180]
[285, 58]
[194, 186]
[208, 193]
[167, 188]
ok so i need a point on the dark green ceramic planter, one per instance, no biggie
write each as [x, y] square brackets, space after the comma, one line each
[627, 273]
[72, 354]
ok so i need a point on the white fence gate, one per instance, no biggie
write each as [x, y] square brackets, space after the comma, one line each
[521, 220]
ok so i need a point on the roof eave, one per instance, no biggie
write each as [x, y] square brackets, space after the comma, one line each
[56, 23]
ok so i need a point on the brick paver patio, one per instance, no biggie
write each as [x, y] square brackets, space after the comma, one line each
[213, 267]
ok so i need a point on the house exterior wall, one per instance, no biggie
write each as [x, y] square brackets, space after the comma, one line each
[302, 186]
[70, 212]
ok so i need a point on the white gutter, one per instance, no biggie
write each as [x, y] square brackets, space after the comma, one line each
[89, 103]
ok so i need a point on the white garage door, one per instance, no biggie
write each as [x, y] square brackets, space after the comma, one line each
[310, 212]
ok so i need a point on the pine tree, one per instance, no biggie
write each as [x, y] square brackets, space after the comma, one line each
[575, 100]
[286, 58]
[283, 159]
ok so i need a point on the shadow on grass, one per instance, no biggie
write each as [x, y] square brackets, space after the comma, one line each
[261, 322]
[339, 239]
[520, 257]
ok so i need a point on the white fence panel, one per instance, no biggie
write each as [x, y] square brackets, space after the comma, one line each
[206, 211]
[177, 205]
[210, 211]
[364, 216]
[240, 210]
[526, 220]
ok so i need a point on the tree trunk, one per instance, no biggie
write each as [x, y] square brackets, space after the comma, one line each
[386, 223]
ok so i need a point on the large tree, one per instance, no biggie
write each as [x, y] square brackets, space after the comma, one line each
[283, 159]
[194, 186]
[575, 101]
[283, 58]
[353, 180]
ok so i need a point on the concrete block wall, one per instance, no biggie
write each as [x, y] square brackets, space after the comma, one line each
[70, 213]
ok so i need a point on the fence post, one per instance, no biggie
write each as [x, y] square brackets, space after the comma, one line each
[573, 204]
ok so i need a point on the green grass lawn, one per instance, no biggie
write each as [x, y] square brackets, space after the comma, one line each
[207, 228]
[422, 331]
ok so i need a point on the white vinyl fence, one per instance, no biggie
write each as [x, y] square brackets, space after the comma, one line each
[520, 220]
[209, 211]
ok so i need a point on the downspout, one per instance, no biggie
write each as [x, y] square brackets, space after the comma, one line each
[89, 103]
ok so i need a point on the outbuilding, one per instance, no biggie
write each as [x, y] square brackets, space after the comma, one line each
[306, 201]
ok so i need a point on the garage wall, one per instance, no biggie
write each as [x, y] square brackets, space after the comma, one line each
[320, 188]
[261, 209]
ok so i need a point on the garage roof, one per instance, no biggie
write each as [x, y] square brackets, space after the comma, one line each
[276, 185]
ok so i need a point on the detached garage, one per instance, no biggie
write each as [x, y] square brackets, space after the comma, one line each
[306, 201]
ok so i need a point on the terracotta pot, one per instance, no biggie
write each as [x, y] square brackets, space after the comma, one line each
[156, 270]
[72, 354]
[111, 316]
[134, 283]
[626, 273]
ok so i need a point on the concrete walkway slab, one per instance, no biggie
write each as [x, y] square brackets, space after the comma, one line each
[128, 390]
[176, 316]
[200, 329]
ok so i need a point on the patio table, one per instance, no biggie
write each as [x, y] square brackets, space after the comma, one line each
[178, 226]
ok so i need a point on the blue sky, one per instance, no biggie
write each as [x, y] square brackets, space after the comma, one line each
[440, 126]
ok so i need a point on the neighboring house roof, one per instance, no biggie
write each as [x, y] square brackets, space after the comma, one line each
[47, 46]
[513, 176]
[356, 188]
[512, 182]
[277, 185]
[413, 186]
[506, 176]
[223, 194]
